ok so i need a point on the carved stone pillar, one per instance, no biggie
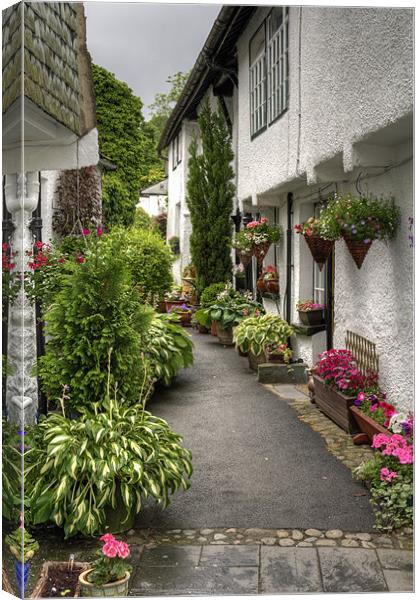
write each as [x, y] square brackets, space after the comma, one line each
[21, 194]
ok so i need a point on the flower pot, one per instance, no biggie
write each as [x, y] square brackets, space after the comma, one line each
[202, 329]
[107, 590]
[261, 285]
[260, 250]
[320, 249]
[358, 250]
[162, 307]
[367, 425]
[277, 359]
[311, 317]
[272, 286]
[245, 258]
[119, 519]
[171, 303]
[255, 360]
[335, 405]
[185, 318]
[59, 575]
[213, 329]
[225, 335]
[22, 574]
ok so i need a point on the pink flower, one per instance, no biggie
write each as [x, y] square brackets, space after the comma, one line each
[264, 220]
[110, 549]
[99, 231]
[387, 475]
[123, 549]
[85, 231]
[80, 259]
[38, 245]
[361, 397]
[107, 537]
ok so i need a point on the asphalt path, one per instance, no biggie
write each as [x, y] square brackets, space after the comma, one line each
[255, 464]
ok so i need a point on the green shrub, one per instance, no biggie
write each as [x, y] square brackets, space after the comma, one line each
[12, 480]
[169, 348]
[97, 308]
[142, 220]
[78, 468]
[256, 333]
[149, 260]
[174, 245]
[210, 293]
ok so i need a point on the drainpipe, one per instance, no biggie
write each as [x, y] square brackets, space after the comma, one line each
[288, 295]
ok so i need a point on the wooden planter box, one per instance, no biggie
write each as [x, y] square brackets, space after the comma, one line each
[367, 425]
[42, 583]
[335, 405]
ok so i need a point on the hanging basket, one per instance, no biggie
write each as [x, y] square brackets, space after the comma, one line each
[260, 250]
[358, 250]
[320, 249]
[245, 258]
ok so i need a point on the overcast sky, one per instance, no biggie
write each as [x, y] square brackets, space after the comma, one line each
[144, 43]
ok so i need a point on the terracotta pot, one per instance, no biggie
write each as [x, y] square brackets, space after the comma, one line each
[261, 285]
[320, 249]
[311, 318]
[225, 335]
[213, 329]
[185, 318]
[170, 303]
[358, 250]
[245, 258]
[162, 307]
[335, 405]
[108, 590]
[272, 286]
[260, 250]
[367, 425]
[254, 360]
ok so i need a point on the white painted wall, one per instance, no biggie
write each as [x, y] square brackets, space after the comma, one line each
[154, 205]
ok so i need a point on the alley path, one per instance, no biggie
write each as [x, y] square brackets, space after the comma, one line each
[255, 463]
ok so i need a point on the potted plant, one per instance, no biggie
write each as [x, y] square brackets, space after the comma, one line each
[372, 414]
[255, 333]
[310, 313]
[320, 237]
[261, 235]
[242, 243]
[183, 312]
[208, 297]
[110, 572]
[361, 220]
[23, 547]
[270, 276]
[278, 353]
[174, 298]
[174, 244]
[337, 381]
[59, 579]
[261, 284]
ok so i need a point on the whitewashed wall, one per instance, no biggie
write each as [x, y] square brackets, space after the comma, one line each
[154, 205]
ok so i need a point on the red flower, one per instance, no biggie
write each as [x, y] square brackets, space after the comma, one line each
[80, 259]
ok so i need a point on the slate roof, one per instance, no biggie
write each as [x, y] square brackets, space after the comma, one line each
[157, 189]
[51, 77]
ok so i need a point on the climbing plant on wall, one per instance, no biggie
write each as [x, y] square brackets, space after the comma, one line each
[128, 141]
[210, 199]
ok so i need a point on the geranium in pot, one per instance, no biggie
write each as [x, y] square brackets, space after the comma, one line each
[337, 381]
[278, 353]
[310, 313]
[320, 237]
[362, 220]
[110, 572]
[270, 277]
[255, 333]
[372, 414]
[243, 244]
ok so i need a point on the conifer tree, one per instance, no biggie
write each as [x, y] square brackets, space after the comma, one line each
[210, 199]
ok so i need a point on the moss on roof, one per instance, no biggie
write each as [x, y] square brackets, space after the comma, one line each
[51, 78]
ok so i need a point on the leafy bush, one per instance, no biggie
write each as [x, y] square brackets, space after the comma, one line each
[142, 220]
[210, 293]
[97, 308]
[12, 480]
[169, 348]
[256, 333]
[148, 258]
[80, 468]
[174, 244]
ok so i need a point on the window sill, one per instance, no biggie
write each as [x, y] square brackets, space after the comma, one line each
[308, 330]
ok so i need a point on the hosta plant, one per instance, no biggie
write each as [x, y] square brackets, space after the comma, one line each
[254, 334]
[11, 472]
[168, 346]
[76, 469]
[111, 564]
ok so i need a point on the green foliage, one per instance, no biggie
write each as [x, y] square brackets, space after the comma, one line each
[12, 480]
[256, 333]
[142, 220]
[78, 468]
[392, 501]
[210, 200]
[127, 140]
[148, 258]
[21, 544]
[169, 348]
[97, 308]
[163, 104]
[210, 293]
[359, 218]
[174, 244]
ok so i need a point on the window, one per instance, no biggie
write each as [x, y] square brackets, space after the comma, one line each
[268, 70]
[176, 151]
[319, 277]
